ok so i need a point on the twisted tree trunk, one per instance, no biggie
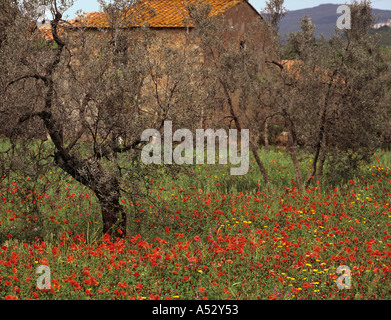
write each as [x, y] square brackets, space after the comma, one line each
[89, 172]
[113, 215]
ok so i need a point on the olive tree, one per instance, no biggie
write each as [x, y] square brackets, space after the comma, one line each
[330, 98]
[232, 71]
[91, 93]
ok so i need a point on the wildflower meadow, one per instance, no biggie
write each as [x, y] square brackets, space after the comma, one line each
[203, 235]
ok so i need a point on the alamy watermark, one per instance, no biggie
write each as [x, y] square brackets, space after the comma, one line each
[44, 16]
[344, 21]
[44, 281]
[184, 152]
[344, 281]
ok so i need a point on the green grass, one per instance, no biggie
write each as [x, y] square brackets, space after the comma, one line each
[201, 233]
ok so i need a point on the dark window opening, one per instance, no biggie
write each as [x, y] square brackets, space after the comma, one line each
[242, 45]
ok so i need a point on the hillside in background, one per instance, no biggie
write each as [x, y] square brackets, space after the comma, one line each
[385, 36]
[325, 18]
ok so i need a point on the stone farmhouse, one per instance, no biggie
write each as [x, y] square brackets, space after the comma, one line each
[170, 18]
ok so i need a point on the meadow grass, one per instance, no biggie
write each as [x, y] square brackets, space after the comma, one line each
[201, 233]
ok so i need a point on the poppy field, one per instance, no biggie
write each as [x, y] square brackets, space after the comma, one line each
[204, 236]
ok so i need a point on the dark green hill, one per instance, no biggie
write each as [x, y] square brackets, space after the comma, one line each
[385, 36]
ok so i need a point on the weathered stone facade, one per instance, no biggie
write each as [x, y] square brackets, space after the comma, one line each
[170, 22]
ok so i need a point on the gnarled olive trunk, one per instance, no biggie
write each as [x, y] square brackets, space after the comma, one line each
[105, 185]
[113, 215]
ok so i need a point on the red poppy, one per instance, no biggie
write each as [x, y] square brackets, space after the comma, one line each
[139, 286]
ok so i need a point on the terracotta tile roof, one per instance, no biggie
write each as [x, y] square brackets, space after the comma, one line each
[155, 13]
[292, 66]
[294, 69]
[45, 32]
